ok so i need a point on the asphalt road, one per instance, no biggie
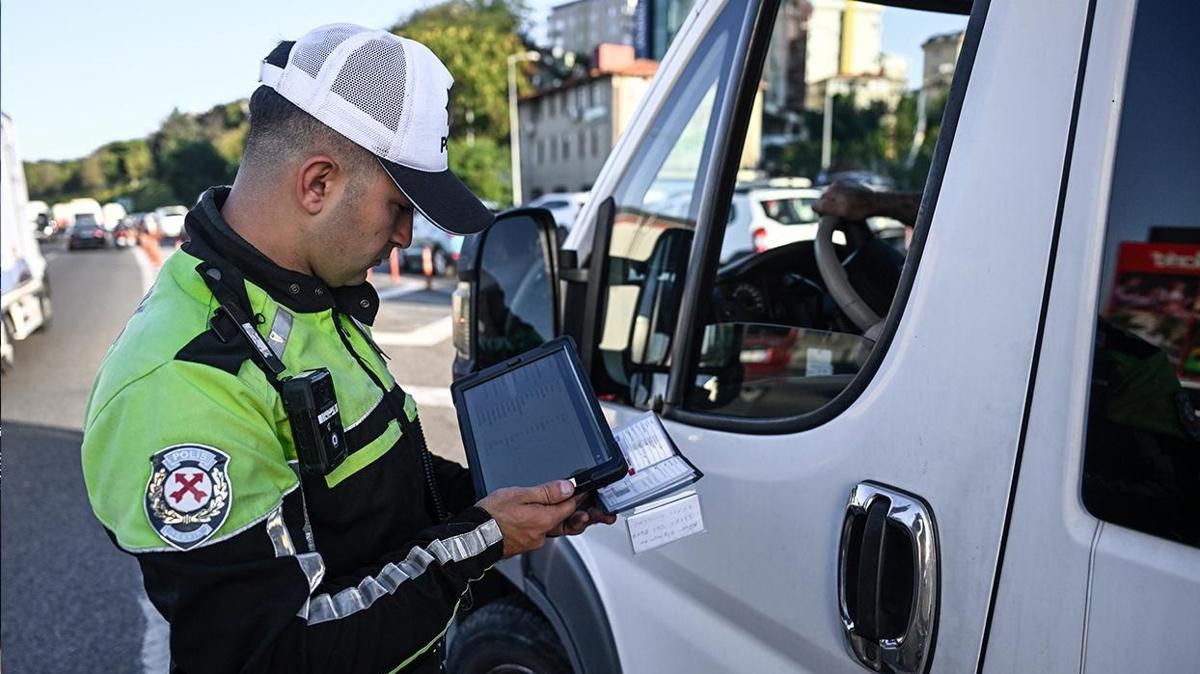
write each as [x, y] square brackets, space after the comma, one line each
[71, 601]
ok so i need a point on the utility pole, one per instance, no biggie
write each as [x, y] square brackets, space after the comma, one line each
[827, 126]
[514, 133]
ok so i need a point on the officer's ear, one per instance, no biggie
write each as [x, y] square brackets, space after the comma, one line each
[314, 183]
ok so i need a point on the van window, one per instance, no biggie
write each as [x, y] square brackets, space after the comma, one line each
[1142, 460]
[655, 214]
[775, 344]
[863, 105]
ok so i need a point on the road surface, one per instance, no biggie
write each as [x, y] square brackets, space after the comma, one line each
[71, 602]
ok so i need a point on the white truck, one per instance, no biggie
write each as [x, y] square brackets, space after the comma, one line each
[979, 455]
[170, 221]
[113, 213]
[24, 288]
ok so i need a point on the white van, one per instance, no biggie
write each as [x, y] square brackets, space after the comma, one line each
[169, 221]
[113, 213]
[979, 455]
[86, 206]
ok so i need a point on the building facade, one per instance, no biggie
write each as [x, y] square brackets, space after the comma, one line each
[580, 26]
[568, 131]
[940, 54]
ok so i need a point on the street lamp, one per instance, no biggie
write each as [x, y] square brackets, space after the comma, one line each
[827, 124]
[514, 135]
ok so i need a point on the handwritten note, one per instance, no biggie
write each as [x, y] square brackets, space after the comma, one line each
[656, 524]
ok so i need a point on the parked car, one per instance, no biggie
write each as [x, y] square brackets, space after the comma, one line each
[44, 227]
[125, 234]
[86, 233]
[979, 454]
[169, 221]
[564, 206]
[444, 248]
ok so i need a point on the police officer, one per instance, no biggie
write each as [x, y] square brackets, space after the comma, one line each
[245, 440]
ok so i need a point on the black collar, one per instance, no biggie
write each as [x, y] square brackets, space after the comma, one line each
[213, 240]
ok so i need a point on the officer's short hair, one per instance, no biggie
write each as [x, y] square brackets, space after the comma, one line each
[281, 133]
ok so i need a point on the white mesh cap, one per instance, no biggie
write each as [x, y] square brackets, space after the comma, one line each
[390, 95]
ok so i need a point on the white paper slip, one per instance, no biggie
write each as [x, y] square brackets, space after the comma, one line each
[654, 525]
[656, 467]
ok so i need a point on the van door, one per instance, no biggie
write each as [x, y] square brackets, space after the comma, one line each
[1106, 521]
[858, 473]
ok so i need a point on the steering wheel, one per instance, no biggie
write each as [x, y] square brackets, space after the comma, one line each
[834, 274]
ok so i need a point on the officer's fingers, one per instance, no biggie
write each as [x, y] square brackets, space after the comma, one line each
[598, 516]
[583, 524]
[576, 523]
[556, 513]
[550, 493]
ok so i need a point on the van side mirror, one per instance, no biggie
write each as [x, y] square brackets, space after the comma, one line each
[506, 301]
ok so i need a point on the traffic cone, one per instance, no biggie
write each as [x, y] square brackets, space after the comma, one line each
[427, 266]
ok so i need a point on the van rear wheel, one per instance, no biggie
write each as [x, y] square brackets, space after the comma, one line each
[508, 636]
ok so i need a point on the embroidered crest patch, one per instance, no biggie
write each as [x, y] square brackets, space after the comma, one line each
[188, 496]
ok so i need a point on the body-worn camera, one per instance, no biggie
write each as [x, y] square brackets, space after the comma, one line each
[312, 410]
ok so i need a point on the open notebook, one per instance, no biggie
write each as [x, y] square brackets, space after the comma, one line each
[656, 468]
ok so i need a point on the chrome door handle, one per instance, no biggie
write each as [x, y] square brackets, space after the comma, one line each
[888, 579]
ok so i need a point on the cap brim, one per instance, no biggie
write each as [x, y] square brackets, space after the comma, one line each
[442, 198]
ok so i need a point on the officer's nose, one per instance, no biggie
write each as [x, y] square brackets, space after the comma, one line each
[403, 230]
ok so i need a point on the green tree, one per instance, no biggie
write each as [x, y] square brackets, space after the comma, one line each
[191, 167]
[45, 179]
[177, 129]
[91, 173]
[483, 166]
[474, 39]
[151, 194]
[136, 162]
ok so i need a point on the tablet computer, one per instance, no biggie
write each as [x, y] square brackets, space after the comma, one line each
[534, 418]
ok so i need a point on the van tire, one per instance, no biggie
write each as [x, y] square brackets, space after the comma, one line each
[507, 636]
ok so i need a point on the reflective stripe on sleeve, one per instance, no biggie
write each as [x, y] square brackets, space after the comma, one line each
[326, 607]
[281, 539]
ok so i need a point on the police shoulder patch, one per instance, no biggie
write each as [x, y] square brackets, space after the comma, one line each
[189, 494]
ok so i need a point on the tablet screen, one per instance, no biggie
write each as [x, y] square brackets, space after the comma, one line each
[532, 425]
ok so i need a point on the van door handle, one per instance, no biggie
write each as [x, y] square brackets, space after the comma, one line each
[888, 579]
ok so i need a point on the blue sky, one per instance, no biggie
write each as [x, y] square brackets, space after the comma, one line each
[77, 74]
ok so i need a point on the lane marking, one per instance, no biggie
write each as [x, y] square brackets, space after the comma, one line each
[408, 287]
[400, 290]
[426, 335]
[156, 640]
[431, 396]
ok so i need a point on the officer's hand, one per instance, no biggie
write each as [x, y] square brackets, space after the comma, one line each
[587, 512]
[527, 514]
[848, 201]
